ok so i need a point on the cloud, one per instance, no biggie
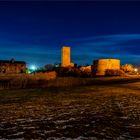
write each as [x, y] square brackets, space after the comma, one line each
[83, 51]
[109, 37]
[123, 46]
[30, 53]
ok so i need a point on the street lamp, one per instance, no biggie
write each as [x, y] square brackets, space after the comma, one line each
[33, 67]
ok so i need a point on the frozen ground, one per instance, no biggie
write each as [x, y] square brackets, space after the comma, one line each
[110, 111]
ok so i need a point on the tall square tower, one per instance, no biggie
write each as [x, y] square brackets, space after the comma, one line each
[65, 56]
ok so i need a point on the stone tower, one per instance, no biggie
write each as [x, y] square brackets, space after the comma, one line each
[65, 56]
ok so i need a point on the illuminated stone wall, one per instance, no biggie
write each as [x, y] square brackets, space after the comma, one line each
[65, 56]
[101, 65]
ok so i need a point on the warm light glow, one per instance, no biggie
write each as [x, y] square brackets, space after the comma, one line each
[135, 70]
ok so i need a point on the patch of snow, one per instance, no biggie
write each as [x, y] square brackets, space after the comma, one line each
[64, 127]
[72, 119]
[93, 122]
[87, 125]
[78, 138]
[124, 117]
[17, 139]
[60, 121]
[28, 127]
[17, 134]
[50, 131]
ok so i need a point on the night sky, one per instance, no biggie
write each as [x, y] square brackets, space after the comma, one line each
[35, 31]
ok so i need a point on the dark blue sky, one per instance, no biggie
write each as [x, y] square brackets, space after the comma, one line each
[36, 31]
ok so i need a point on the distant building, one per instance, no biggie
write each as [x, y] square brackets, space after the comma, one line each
[65, 57]
[101, 65]
[86, 68]
[12, 66]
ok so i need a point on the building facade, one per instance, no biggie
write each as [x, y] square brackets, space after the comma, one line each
[101, 65]
[65, 56]
[12, 67]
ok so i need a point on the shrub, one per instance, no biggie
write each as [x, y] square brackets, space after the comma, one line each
[112, 72]
[127, 68]
[68, 72]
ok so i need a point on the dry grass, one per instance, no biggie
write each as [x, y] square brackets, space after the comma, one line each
[50, 79]
[25, 80]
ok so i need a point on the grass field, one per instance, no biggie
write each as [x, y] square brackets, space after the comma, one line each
[109, 110]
